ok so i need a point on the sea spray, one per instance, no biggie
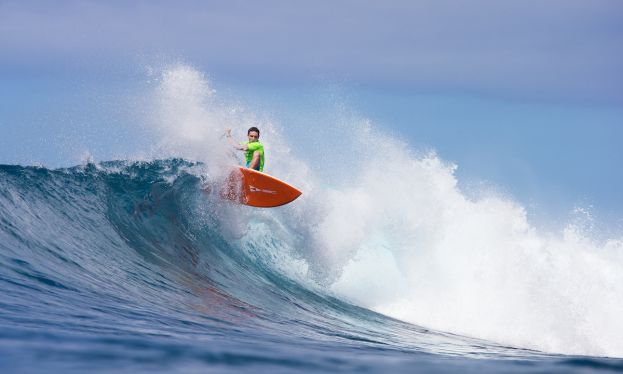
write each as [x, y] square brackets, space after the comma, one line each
[389, 229]
[187, 118]
[422, 251]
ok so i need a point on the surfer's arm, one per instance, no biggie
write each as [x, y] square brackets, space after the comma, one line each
[255, 162]
[240, 147]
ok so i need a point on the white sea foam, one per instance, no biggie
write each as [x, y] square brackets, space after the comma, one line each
[188, 119]
[409, 244]
[395, 234]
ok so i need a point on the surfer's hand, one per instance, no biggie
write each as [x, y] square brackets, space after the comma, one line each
[228, 133]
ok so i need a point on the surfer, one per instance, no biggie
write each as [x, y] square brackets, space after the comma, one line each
[252, 148]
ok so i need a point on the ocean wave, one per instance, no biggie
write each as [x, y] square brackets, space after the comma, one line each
[131, 261]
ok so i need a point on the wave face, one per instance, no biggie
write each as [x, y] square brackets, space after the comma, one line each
[132, 266]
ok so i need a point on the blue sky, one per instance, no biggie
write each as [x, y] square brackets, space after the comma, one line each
[527, 94]
[557, 49]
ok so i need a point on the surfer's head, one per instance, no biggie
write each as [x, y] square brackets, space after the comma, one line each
[254, 134]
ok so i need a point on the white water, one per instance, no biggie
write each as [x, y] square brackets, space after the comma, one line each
[395, 234]
[188, 119]
[426, 254]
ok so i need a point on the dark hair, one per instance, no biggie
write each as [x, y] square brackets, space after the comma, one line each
[254, 129]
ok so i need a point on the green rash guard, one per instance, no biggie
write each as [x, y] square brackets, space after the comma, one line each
[251, 148]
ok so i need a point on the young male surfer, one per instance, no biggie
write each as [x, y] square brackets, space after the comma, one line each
[253, 149]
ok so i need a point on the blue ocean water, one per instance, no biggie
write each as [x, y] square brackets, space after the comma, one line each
[128, 266]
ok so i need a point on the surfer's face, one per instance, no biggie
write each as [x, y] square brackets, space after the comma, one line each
[253, 136]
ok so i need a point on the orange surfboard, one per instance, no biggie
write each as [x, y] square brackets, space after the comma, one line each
[250, 187]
